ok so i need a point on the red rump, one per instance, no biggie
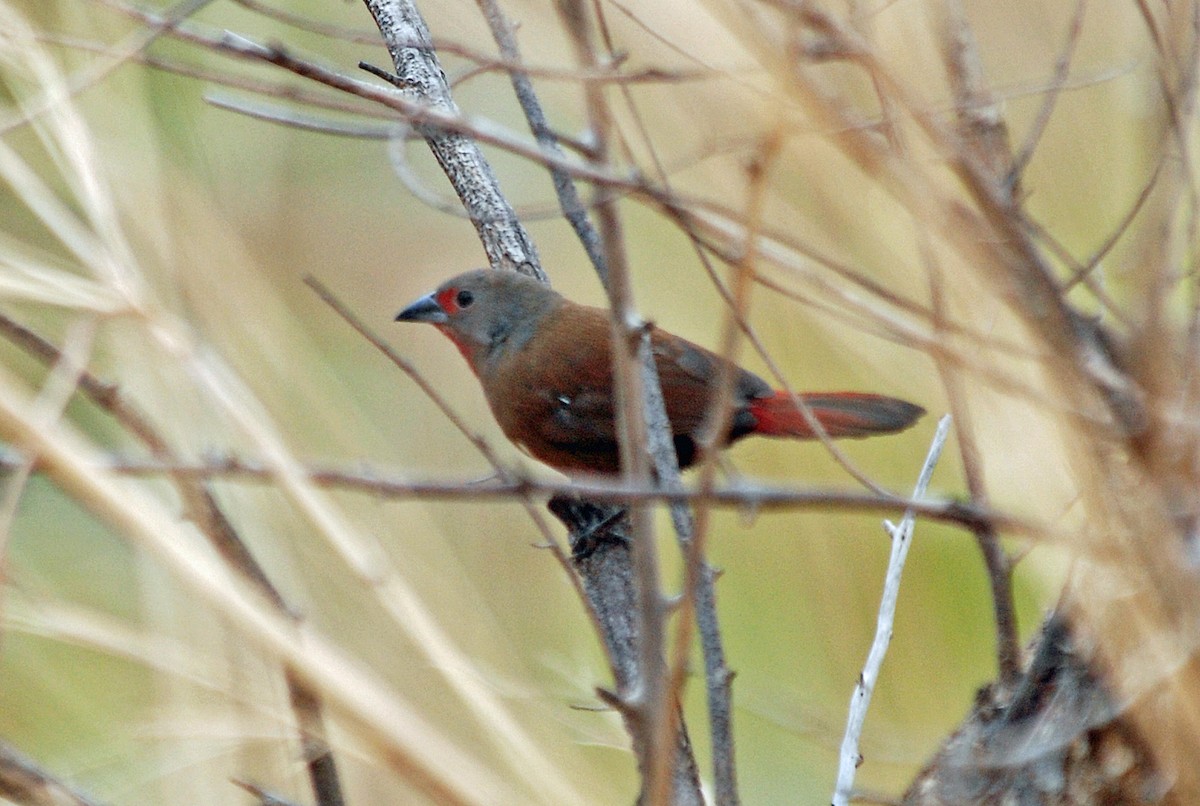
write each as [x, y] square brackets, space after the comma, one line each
[841, 414]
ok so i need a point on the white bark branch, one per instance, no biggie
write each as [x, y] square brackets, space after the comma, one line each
[861, 699]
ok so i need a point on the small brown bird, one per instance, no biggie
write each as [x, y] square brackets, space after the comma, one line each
[545, 364]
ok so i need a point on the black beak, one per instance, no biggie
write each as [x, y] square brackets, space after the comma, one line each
[426, 309]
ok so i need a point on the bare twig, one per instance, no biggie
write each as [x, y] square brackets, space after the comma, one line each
[699, 599]
[57, 391]
[483, 62]
[647, 450]
[265, 797]
[27, 783]
[287, 116]
[1122, 227]
[1062, 70]
[568, 196]
[981, 125]
[294, 94]
[741, 496]
[901, 539]
[601, 537]
[999, 567]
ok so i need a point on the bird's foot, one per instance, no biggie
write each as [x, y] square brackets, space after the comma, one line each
[590, 525]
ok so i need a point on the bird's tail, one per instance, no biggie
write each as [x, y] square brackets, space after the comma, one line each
[841, 414]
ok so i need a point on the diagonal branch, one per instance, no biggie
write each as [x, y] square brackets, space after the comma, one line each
[23, 780]
[861, 699]
[568, 196]
[203, 510]
[504, 239]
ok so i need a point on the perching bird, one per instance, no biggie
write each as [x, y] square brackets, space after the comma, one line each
[545, 364]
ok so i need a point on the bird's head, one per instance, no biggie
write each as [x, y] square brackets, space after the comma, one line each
[485, 312]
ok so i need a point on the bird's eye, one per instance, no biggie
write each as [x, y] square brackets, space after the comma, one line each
[464, 299]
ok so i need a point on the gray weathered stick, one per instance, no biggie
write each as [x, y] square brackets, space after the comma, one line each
[600, 537]
[420, 75]
[861, 699]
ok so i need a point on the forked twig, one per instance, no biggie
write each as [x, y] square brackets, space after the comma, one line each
[860, 700]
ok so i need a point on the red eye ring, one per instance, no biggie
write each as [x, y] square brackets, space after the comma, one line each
[452, 300]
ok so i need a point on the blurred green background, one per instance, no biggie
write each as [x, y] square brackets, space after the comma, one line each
[228, 214]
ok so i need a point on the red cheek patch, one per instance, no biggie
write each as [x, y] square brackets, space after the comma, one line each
[445, 299]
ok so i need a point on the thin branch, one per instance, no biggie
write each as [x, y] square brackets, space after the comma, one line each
[484, 62]
[1062, 71]
[981, 125]
[699, 598]
[407, 367]
[601, 536]
[646, 450]
[999, 567]
[26, 782]
[52, 400]
[292, 118]
[265, 797]
[296, 94]
[568, 196]
[901, 538]
[748, 497]
[1122, 227]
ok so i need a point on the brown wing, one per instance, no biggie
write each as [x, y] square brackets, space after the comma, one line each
[554, 395]
[688, 373]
